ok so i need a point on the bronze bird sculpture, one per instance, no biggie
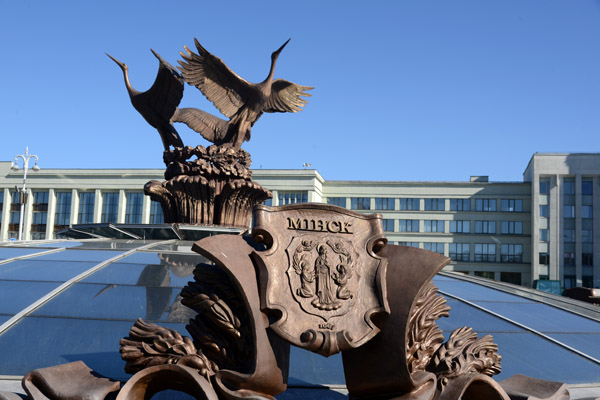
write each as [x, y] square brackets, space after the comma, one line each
[158, 104]
[241, 101]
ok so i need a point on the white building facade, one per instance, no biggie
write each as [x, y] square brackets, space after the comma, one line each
[540, 228]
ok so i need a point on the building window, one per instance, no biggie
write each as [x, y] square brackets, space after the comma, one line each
[587, 259]
[569, 281]
[569, 186]
[39, 216]
[511, 253]
[110, 207]
[511, 277]
[543, 235]
[86, 208]
[459, 251]
[384, 203]
[485, 252]
[434, 225]
[544, 211]
[337, 201]
[435, 204]
[436, 247]
[544, 259]
[569, 259]
[460, 204]
[409, 225]
[544, 186]
[133, 208]
[569, 235]
[156, 213]
[569, 212]
[1, 203]
[360, 203]
[587, 236]
[460, 226]
[268, 202]
[292, 197]
[388, 225]
[587, 187]
[485, 274]
[587, 281]
[409, 244]
[62, 218]
[485, 226]
[485, 205]
[15, 214]
[586, 212]
[511, 227]
[512, 205]
[410, 204]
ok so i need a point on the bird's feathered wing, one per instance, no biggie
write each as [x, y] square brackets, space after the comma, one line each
[167, 90]
[286, 97]
[213, 129]
[223, 87]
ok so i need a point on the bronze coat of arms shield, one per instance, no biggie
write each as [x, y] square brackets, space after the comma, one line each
[321, 279]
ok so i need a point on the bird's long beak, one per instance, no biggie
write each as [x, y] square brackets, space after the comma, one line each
[119, 63]
[276, 52]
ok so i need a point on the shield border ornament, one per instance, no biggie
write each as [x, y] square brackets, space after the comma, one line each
[325, 331]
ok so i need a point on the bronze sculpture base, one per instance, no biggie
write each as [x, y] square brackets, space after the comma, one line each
[215, 188]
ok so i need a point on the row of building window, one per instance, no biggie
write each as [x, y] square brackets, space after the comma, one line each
[62, 216]
[482, 252]
[587, 259]
[429, 204]
[587, 187]
[455, 226]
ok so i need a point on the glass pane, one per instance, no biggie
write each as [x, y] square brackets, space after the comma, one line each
[543, 318]
[463, 314]
[529, 354]
[44, 342]
[34, 269]
[16, 295]
[10, 252]
[585, 342]
[151, 303]
[307, 368]
[149, 269]
[473, 292]
[81, 255]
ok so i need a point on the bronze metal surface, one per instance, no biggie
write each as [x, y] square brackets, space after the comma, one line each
[68, 381]
[321, 279]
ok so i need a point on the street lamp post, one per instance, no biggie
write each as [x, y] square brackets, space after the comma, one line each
[23, 193]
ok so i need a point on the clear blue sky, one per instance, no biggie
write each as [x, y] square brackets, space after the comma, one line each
[404, 90]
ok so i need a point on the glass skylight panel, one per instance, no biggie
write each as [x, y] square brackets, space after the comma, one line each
[532, 355]
[309, 369]
[173, 270]
[17, 295]
[543, 318]
[473, 292]
[463, 314]
[43, 270]
[81, 255]
[115, 302]
[43, 342]
[12, 252]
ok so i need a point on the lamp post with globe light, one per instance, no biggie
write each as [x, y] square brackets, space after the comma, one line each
[23, 193]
